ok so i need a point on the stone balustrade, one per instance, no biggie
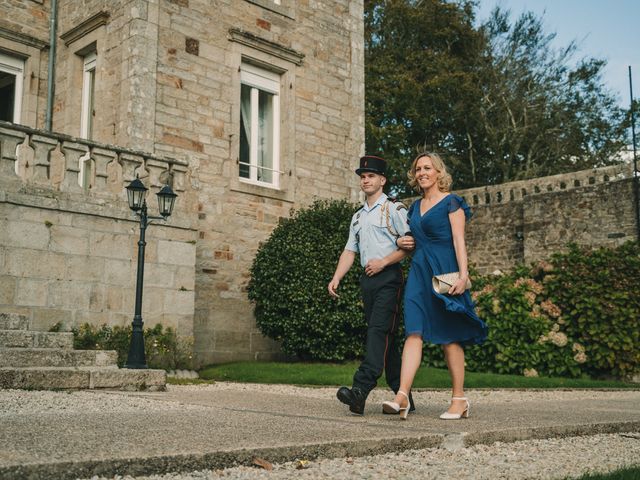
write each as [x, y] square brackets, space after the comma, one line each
[68, 164]
[515, 191]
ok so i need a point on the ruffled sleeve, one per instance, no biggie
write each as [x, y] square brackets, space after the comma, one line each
[456, 202]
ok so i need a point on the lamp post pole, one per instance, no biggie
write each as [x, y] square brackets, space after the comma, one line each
[136, 358]
[136, 192]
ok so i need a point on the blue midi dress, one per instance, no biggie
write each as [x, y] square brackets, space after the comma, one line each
[439, 319]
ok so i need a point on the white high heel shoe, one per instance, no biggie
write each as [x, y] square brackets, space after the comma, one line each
[393, 407]
[457, 416]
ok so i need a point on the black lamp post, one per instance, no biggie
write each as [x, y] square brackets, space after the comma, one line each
[136, 193]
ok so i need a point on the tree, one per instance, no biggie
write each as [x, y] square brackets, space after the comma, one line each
[537, 114]
[498, 101]
[421, 74]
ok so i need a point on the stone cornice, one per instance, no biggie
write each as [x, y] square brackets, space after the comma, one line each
[266, 46]
[23, 38]
[88, 26]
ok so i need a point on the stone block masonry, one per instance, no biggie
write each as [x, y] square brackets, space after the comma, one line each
[527, 221]
[69, 255]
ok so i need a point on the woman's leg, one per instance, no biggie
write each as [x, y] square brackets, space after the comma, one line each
[454, 356]
[411, 359]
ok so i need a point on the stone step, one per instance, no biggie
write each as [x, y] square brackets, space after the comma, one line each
[56, 357]
[55, 378]
[13, 321]
[30, 339]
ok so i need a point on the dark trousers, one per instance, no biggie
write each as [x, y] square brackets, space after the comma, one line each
[381, 295]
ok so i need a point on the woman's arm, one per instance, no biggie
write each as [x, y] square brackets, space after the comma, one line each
[457, 220]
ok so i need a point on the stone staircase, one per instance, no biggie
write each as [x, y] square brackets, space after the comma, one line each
[47, 361]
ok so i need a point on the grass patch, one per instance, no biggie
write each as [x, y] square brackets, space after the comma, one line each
[630, 473]
[332, 374]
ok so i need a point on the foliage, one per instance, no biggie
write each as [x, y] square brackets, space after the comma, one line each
[598, 291]
[56, 327]
[538, 115]
[497, 100]
[421, 75]
[163, 348]
[288, 285]
[576, 316]
[527, 333]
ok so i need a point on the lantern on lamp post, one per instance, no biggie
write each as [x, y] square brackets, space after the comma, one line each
[136, 195]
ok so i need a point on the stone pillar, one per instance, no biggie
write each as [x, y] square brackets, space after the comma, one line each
[138, 99]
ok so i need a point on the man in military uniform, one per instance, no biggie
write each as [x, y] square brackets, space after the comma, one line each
[373, 233]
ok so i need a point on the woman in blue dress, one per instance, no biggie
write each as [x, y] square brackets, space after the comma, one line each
[437, 224]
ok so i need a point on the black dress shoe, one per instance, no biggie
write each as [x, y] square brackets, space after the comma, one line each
[412, 406]
[354, 397]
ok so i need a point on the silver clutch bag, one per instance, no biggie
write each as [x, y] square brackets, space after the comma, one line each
[442, 283]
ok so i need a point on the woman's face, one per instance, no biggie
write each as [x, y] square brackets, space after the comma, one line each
[425, 174]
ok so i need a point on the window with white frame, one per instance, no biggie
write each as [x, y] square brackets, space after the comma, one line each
[88, 95]
[259, 126]
[86, 116]
[11, 79]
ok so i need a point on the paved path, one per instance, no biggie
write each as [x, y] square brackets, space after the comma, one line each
[189, 428]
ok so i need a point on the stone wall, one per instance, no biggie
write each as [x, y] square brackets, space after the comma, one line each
[526, 221]
[69, 255]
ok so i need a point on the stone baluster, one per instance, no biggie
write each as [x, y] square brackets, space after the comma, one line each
[155, 168]
[115, 181]
[102, 159]
[179, 177]
[129, 164]
[25, 155]
[43, 146]
[142, 172]
[72, 152]
[9, 141]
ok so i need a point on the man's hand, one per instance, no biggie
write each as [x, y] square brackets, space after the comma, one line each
[374, 266]
[406, 242]
[333, 286]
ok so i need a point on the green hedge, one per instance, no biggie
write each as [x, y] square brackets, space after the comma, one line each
[574, 315]
[289, 279]
[163, 348]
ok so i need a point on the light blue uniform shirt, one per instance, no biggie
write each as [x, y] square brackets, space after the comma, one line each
[374, 230]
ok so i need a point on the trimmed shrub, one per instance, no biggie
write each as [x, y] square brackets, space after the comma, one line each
[163, 348]
[289, 279]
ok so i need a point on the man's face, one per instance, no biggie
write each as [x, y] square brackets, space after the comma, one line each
[371, 183]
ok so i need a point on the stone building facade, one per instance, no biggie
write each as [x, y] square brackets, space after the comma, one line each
[247, 107]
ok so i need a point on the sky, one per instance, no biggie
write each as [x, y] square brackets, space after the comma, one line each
[605, 29]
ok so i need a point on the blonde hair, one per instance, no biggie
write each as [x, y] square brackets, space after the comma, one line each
[444, 179]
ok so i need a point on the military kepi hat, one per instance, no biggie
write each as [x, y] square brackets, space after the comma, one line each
[370, 163]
